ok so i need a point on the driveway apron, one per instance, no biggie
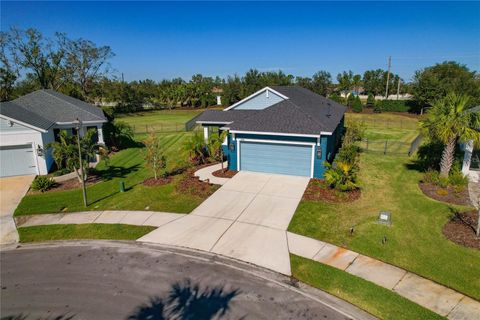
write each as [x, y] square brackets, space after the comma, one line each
[245, 219]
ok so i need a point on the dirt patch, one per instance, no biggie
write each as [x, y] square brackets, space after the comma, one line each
[224, 173]
[448, 194]
[317, 190]
[160, 181]
[70, 184]
[461, 229]
[193, 186]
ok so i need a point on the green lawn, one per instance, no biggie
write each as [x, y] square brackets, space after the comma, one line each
[82, 231]
[414, 242]
[158, 120]
[378, 301]
[127, 166]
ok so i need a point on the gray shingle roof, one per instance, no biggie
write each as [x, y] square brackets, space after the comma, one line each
[221, 116]
[19, 113]
[304, 112]
[58, 107]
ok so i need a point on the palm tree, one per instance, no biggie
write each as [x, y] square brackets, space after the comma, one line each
[195, 146]
[215, 149]
[449, 121]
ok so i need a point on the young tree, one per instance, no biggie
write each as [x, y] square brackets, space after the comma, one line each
[448, 122]
[370, 100]
[154, 156]
[357, 104]
[215, 149]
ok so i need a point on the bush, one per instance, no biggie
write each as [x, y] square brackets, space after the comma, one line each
[348, 154]
[370, 100]
[357, 105]
[335, 97]
[43, 183]
[350, 100]
[354, 132]
[457, 179]
[341, 176]
[394, 106]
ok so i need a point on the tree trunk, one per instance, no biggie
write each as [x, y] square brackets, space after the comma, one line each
[447, 158]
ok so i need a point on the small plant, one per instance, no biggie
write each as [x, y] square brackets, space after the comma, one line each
[357, 105]
[431, 176]
[154, 157]
[457, 179]
[43, 183]
[341, 176]
[370, 101]
[196, 148]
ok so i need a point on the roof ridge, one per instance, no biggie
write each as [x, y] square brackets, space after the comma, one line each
[47, 92]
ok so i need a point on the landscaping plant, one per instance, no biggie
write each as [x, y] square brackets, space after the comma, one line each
[43, 183]
[215, 149]
[370, 100]
[341, 176]
[154, 156]
[195, 146]
[449, 122]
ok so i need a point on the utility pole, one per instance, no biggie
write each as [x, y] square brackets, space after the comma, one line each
[388, 75]
[84, 190]
[398, 87]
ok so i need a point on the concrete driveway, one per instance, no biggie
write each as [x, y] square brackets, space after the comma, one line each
[245, 219]
[12, 190]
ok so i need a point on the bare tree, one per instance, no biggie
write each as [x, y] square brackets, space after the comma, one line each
[8, 69]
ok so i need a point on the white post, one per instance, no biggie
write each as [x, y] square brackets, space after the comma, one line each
[467, 158]
[100, 135]
[205, 134]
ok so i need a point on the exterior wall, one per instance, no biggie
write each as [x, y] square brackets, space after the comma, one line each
[18, 135]
[260, 101]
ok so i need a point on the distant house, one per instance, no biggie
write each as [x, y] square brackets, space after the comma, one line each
[32, 121]
[282, 129]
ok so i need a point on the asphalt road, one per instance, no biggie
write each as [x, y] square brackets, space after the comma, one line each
[112, 280]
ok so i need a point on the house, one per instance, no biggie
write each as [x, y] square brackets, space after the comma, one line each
[280, 129]
[471, 157]
[29, 123]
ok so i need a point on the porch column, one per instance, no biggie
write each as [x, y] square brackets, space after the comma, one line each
[100, 135]
[205, 134]
[467, 157]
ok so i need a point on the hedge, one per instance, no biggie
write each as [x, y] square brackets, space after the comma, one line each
[395, 106]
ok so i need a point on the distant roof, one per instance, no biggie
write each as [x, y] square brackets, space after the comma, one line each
[304, 112]
[44, 108]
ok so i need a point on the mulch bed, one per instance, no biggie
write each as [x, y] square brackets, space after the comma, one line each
[192, 185]
[71, 184]
[224, 173]
[160, 181]
[461, 229]
[317, 190]
[445, 194]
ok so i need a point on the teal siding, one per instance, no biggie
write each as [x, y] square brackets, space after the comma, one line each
[276, 158]
[260, 101]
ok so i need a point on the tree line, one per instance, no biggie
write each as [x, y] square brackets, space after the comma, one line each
[80, 68]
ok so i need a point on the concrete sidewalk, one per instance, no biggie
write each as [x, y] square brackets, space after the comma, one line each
[137, 218]
[205, 174]
[431, 295]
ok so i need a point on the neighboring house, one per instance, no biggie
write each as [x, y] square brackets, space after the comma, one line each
[471, 158]
[280, 129]
[32, 121]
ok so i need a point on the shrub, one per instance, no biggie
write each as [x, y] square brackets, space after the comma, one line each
[394, 105]
[354, 132]
[43, 183]
[341, 176]
[457, 179]
[370, 100]
[357, 105]
[348, 154]
[431, 176]
[350, 100]
[335, 97]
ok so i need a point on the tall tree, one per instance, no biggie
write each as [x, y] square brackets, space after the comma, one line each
[43, 58]
[8, 70]
[322, 83]
[345, 81]
[437, 81]
[450, 121]
[86, 63]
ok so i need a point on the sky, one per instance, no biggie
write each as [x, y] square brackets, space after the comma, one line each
[163, 40]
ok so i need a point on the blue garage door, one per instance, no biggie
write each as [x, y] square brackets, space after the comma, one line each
[276, 158]
[17, 160]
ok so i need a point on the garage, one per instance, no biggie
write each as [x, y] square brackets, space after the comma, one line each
[276, 157]
[17, 160]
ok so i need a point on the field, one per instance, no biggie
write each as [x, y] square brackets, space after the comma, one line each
[158, 120]
[414, 241]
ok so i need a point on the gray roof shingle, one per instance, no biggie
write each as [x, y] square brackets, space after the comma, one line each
[19, 113]
[59, 107]
[304, 112]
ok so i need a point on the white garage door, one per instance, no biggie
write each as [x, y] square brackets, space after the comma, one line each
[17, 160]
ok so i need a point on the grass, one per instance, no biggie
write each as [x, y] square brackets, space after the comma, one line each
[378, 301]
[82, 231]
[127, 166]
[158, 120]
[414, 242]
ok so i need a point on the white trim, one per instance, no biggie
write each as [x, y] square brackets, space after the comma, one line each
[312, 144]
[213, 122]
[274, 133]
[318, 141]
[35, 157]
[326, 133]
[24, 124]
[255, 94]
[75, 123]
